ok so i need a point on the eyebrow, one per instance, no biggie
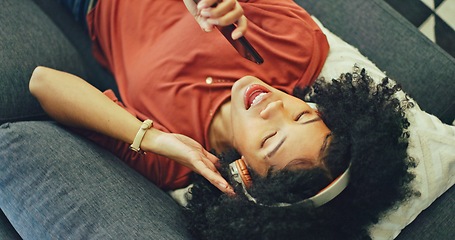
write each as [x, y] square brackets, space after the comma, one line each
[270, 154]
[311, 120]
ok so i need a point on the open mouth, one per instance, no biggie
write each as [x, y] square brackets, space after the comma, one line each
[254, 94]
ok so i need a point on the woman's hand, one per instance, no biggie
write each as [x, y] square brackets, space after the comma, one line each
[187, 152]
[211, 13]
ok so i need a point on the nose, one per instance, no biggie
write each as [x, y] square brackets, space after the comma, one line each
[272, 109]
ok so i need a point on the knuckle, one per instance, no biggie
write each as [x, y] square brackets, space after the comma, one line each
[222, 22]
[240, 10]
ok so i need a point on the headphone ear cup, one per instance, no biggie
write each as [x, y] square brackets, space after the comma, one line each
[243, 172]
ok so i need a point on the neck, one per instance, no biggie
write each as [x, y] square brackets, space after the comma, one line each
[220, 130]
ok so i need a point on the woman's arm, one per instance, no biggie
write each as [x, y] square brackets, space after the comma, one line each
[72, 101]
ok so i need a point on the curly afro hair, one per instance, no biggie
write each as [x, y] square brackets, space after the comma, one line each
[369, 132]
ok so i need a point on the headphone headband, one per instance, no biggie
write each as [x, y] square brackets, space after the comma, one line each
[240, 174]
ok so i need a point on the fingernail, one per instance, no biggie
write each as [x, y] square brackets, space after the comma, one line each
[206, 27]
[231, 192]
[202, 4]
[205, 13]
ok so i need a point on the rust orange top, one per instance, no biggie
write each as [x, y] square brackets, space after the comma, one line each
[169, 70]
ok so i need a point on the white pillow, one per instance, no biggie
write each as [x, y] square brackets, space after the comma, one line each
[431, 143]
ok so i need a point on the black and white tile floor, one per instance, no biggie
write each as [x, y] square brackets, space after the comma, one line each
[434, 18]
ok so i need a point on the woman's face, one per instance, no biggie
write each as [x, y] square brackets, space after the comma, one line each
[273, 130]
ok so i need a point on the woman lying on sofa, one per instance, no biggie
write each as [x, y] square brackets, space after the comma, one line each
[298, 169]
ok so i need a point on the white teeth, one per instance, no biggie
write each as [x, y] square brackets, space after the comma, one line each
[258, 98]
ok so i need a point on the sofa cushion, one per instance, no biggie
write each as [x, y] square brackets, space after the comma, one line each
[60, 185]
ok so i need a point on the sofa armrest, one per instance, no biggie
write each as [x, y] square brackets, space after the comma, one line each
[380, 33]
[28, 38]
[73, 29]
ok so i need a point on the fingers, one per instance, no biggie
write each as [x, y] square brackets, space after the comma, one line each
[212, 158]
[208, 170]
[191, 6]
[241, 28]
[189, 153]
[201, 4]
[215, 178]
[225, 13]
[210, 164]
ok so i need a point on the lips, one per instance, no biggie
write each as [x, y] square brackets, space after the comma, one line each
[254, 95]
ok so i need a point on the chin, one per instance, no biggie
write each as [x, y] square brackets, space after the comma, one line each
[244, 82]
[240, 86]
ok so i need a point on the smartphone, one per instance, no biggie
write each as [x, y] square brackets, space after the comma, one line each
[243, 47]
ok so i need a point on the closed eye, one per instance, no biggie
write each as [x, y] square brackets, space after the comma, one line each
[267, 138]
[300, 116]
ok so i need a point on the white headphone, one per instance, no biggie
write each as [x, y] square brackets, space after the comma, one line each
[240, 174]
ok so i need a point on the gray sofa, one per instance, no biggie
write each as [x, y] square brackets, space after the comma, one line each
[43, 32]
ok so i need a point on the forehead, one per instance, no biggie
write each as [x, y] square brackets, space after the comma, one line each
[303, 148]
[305, 140]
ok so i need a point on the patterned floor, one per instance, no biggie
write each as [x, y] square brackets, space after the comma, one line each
[434, 18]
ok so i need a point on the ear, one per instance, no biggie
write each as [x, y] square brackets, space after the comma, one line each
[243, 159]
